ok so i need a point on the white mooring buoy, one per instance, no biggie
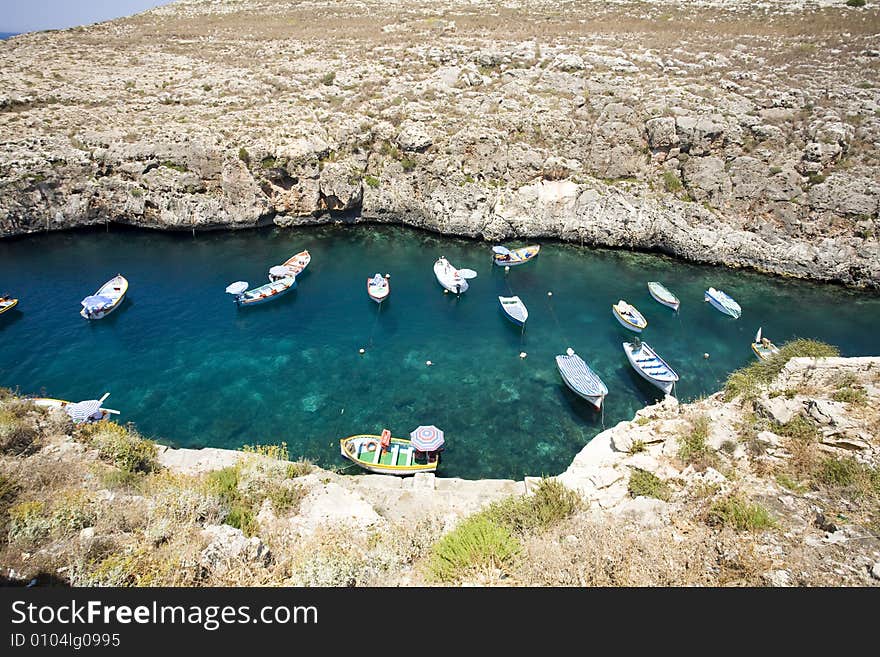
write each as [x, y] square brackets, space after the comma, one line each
[522, 354]
[361, 350]
[507, 268]
[428, 363]
[706, 356]
[549, 294]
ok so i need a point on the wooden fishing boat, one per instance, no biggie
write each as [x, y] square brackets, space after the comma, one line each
[379, 287]
[293, 266]
[85, 411]
[662, 295]
[723, 302]
[628, 316]
[650, 366]
[396, 457]
[514, 309]
[107, 299]
[763, 348]
[582, 381]
[7, 303]
[504, 257]
[452, 279]
[261, 294]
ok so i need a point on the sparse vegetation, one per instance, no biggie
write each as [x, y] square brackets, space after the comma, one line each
[671, 181]
[747, 381]
[740, 513]
[647, 484]
[692, 448]
[371, 181]
[121, 446]
[476, 544]
[328, 78]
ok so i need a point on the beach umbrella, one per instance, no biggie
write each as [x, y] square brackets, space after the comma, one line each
[501, 250]
[427, 438]
[280, 271]
[96, 301]
[467, 273]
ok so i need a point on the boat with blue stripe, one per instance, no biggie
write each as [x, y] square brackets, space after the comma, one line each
[650, 366]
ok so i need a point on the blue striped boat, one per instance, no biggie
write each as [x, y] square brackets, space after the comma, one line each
[582, 381]
[650, 366]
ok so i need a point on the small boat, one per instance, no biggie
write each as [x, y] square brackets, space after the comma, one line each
[267, 292]
[84, 411]
[763, 348]
[106, 300]
[582, 381]
[504, 257]
[650, 366]
[452, 279]
[7, 303]
[384, 454]
[293, 266]
[723, 302]
[663, 295]
[515, 309]
[628, 316]
[379, 287]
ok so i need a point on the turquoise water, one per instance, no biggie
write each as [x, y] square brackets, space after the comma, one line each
[191, 369]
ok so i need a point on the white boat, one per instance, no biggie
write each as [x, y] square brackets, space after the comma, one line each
[7, 303]
[763, 348]
[662, 295]
[261, 294]
[293, 266]
[504, 257]
[628, 316]
[650, 366]
[515, 309]
[105, 300]
[452, 279]
[84, 411]
[582, 381]
[723, 302]
[379, 287]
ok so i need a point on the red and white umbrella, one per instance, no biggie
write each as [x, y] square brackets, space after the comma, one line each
[427, 438]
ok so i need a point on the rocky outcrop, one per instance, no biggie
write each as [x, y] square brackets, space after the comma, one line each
[708, 150]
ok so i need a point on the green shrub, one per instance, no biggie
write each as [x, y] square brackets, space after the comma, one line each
[692, 447]
[647, 484]
[17, 433]
[121, 446]
[747, 382]
[277, 452]
[791, 484]
[168, 164]
[739, 513]
[285, 498]
[224, 483]
[847, 473]
[28, 522]
[799, 428]
[242, 517]
[328, 78]
[477, 543]
[855, 3]
[850, 391]
[299, 469]
[371, 181]
[244, 156]
[550, 503]
[671, 181]
[637, 446]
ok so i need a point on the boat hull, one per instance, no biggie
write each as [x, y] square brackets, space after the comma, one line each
[592, 388]
[595, 400]
[658, 296]
[357, 450]
[109, 309]
[719, 306]
[665, 384]
[508, 311]
[378, 293]
[296, 264]
[445, 276]
[282, 289]
[517, 256]
[626, 323]
[8, 306]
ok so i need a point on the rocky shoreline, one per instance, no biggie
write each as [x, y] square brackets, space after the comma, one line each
[724, 133]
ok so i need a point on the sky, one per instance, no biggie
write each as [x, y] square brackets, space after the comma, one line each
[30, 15]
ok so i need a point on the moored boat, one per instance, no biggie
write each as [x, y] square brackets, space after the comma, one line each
[723, 302]
[662, 295]
[650, 366]
[580, 379]
[107, 299]
[514, 309]
[502, 256]
[293, 266]
[393, 456]
[452, 279]
[261, 294]
[7, 303]
[629, 317]
[379, 287]
[85, 411]
[763, 348]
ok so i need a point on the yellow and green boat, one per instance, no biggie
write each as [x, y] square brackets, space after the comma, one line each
[397, 457]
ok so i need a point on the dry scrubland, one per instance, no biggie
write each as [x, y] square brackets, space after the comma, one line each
[773, 481]
[737, 132]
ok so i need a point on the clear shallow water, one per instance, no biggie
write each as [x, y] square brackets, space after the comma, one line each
[191, 369]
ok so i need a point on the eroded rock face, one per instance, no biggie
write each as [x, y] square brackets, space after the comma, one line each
[706, 150]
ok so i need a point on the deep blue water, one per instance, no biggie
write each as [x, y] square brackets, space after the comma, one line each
[191, 369]
[6, 35]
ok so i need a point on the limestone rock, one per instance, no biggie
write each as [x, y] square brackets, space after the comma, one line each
[779, 409]
[706, 179]
[228, 545]
[661, 132]
[413, 136]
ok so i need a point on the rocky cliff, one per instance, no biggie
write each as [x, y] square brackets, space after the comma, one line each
[720, 131]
